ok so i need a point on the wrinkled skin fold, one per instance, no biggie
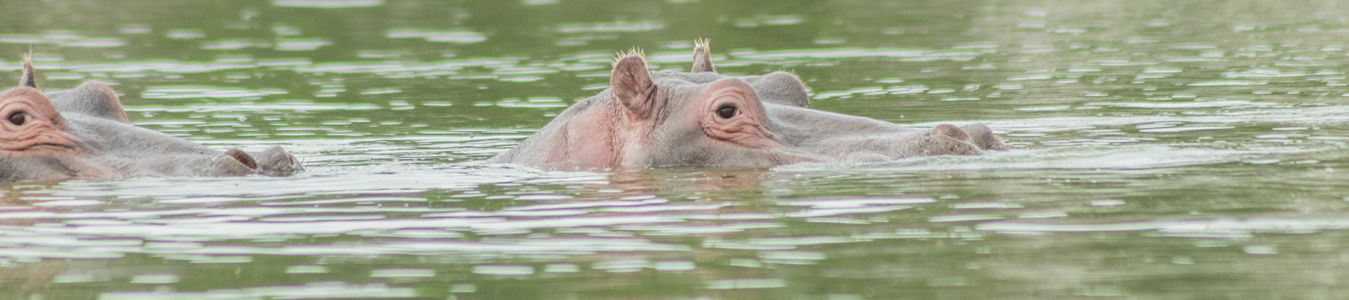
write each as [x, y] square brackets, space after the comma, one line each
[702, 118]
[84, 133]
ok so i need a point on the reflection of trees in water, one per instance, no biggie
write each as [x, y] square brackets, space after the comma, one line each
[14, 197]
[28, 280]
[511, 26]
[704, 183]
[1119, 20]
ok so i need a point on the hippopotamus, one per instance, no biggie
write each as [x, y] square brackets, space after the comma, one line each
[84, 133]
[705, 119]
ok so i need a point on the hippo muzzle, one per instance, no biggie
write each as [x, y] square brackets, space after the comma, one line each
[273, 161]
[821, 136]
[123, 150]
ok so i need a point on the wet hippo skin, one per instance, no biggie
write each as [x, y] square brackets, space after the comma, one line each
[702, 118]
[84, 133]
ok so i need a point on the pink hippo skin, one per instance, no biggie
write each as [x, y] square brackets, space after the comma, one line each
[84, 133]
[672, 119]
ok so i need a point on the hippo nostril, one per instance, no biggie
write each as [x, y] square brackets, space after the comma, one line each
[953, 132]
[243, 158]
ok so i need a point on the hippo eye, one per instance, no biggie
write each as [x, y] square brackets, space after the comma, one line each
[726, 112]
[18, 118]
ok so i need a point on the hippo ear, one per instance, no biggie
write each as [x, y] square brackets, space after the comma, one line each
[631, 85]
[29, 78]
[91, 98]
[702, 56]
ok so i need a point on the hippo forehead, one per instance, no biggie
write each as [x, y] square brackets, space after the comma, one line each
[776, 87]
[92, 98]
[757, 81]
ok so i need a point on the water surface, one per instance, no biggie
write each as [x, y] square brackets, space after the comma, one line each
[1162, 150]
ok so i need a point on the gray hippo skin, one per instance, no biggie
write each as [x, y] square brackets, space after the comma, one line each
[701, 118]
[84, 133]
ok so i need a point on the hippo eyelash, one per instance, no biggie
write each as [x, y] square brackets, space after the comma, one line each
[18, 118]
[726, 112]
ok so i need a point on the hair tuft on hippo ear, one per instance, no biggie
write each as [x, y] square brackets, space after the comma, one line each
[631, 52]
[702, 56]
[631, 85]
[29, 78]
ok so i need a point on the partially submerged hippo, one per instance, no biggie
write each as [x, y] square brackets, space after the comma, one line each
[84, 133]
[672, 118]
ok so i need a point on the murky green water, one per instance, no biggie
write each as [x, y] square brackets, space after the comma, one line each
[1163, 150]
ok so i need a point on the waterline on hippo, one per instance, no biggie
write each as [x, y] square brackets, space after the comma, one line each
[705, 119]
[84, 133]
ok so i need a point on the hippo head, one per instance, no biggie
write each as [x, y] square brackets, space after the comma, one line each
[84, 133]
[701, 118]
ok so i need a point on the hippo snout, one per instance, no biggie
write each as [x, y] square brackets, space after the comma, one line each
[947, 139]
[273, 161]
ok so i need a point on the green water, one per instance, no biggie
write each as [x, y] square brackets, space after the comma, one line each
[1162, 150]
